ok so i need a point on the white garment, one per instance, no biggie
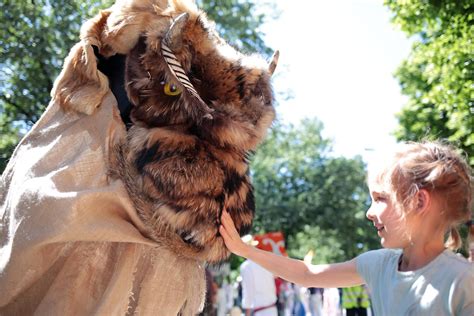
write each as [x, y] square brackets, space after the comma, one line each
[331, 298]
[258, 288]
[290, 299]
[229, 295]
[221, 302]
[445, 286]
[316, 304]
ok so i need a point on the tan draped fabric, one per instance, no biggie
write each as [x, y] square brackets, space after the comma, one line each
[70, 240]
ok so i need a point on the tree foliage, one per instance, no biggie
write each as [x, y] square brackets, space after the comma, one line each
[34, 39]
[239, 22]
[316, 200]
[36, 36]
[438, 76]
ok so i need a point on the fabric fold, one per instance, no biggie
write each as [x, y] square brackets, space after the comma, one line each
[71, 242]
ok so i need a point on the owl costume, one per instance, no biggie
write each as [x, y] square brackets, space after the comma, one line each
[75, 238]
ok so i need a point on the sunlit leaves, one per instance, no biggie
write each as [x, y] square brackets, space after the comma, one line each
[300, 188]
[238, 22]
[438, 76]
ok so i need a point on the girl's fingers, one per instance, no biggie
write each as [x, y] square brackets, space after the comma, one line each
[228, 227]
[223, 232]
[227, 220]
[226, 215]
[228, 240]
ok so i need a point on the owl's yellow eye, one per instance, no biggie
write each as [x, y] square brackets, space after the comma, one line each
[171, 89]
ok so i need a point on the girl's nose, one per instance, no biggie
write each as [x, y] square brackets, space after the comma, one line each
[370, 214]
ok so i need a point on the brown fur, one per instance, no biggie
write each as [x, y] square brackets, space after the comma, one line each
[180, 170]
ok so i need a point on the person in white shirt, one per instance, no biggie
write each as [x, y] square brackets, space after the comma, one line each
[258, 290]
[418, 197]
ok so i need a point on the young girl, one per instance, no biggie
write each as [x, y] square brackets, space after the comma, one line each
[422, 194]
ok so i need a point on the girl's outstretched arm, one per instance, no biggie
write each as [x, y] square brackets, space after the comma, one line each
[324, 275]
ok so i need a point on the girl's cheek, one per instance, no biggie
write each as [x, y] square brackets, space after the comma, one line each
[379, 210]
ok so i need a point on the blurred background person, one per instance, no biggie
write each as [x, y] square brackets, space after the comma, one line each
[470, 228]
[355, 300]
[316, 301]
[281, 286]
[258, 287]
[331, 305]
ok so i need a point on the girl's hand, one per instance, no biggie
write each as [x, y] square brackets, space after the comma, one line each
[231, 236]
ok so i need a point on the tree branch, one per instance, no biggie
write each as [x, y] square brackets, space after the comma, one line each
[18, 107]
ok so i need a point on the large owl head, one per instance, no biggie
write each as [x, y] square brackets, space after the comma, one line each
[187, 75]
[228, 95]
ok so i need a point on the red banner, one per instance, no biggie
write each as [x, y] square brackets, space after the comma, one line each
[273, 242]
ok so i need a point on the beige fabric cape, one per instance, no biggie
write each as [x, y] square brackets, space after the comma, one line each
[70, 240]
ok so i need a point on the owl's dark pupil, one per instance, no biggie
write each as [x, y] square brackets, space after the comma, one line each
[173, 88]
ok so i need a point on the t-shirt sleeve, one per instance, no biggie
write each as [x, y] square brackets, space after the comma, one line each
[369, 263]
[463, 295]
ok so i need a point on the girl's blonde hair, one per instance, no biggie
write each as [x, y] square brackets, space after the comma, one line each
[439, 169]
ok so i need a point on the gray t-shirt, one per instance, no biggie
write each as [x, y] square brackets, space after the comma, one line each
[445, 286]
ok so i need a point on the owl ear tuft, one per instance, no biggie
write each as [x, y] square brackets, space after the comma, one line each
[273, 63]
[174, 36]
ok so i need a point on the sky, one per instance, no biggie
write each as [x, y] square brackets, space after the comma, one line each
[337, 59]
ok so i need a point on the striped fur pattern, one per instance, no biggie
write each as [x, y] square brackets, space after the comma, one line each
[179, 166]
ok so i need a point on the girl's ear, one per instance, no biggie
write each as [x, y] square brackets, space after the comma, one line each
[423, 200]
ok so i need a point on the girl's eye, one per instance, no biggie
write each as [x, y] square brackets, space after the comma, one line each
[379, 198]
[171, 89]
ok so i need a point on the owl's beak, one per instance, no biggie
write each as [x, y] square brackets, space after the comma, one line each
[274, 61]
